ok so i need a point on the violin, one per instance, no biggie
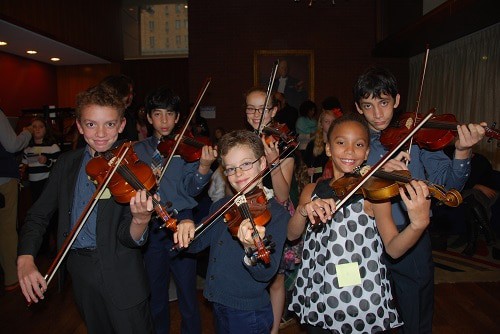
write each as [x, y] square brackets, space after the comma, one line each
[252, 206]
[436, 134]
[279, 132]
[171, 148]
[189, 147]
[132, 175]
[385, 185]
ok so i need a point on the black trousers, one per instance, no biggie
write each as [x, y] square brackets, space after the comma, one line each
[95, 303]
[412, 277]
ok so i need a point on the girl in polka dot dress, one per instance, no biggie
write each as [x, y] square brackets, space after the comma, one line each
[342, 284]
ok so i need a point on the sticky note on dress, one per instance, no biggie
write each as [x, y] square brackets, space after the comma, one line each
[348, 274]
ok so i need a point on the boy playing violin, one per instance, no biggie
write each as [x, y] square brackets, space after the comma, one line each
[181, 182]
[342, 284]
[376, 96]
[236, 288]
[105, 261]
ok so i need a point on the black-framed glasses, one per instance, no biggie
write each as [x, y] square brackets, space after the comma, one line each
[252, 110]
[244, 167]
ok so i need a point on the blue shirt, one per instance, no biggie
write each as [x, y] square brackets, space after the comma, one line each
[181, 181]
[84, 190]
[434, 166]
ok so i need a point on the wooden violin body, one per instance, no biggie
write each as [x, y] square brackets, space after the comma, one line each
[189, 147]
[384, 185]
[251, 206]
[132, 175]
[436, 134]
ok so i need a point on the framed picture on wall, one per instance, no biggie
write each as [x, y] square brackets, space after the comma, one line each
[295, 75]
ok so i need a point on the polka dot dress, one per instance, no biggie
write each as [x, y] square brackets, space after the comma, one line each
[318, 300]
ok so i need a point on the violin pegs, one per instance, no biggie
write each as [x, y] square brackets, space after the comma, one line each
[173, 212]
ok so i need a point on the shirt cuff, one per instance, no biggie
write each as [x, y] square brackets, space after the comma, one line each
[143, 238]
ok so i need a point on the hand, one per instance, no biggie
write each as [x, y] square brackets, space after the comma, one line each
[310, 171]
[185, 233]
[469, 135]
[28, 128]
[397, 163]
[141, 206]
[320, 208]
[32, 283]
[271, 150]
[487, 191]
[416, 197]
[42, 159]
[245, 232]
[208, 156]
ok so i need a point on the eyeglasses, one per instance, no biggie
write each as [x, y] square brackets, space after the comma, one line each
[252, 110]
[244, 167]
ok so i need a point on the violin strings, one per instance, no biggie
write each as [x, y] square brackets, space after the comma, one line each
[131, 178]
[245, 209]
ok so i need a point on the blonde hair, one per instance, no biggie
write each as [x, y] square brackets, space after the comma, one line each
[319, 144]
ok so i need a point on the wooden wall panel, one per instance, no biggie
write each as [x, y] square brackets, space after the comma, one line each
[341, 36]
[25, 84]
[152, 73]
[93, 26]
[73, 79]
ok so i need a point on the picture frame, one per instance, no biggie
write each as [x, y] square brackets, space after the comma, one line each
[300, 63]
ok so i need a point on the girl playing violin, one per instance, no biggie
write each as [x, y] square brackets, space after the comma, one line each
[182, 181]
[281, 181]
[342, 283]
[236, 288]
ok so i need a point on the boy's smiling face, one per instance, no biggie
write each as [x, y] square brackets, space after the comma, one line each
[100, 126]
[236, 160]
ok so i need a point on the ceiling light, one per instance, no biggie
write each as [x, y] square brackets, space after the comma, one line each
[55, 59]
[2, 43]
[31, 52]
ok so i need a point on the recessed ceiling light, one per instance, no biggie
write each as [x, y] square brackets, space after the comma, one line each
[31, 52]
[186, 6]
[55, 59]
[2, 43]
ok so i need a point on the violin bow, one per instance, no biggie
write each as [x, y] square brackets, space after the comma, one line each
[378, 165]
[268, 94]
[223, 209]
[204, 88]
[421, 88]
[70, 239]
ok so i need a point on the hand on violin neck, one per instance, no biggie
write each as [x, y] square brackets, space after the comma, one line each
[208, 156]
[185, 233]
[397, 163]
[416, 197]
[271, 150]
[245, 233]
[141, 206]
[468, 136]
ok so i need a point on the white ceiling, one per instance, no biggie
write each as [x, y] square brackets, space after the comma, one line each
[19, 40]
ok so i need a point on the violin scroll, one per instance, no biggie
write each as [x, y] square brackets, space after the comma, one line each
[451, 198]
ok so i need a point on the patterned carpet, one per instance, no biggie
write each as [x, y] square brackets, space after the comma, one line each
[452, 266]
